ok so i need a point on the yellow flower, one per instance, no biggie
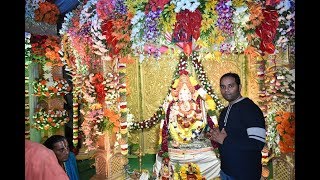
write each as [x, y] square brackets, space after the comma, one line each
[160, 136]
[168, 19]
[209, 56]
[237, 3]
[209, 16]
[175, 84]
[184, 171]
[202, 43]
[217, 55]
[133, 5]
[176, 176]
[96, 106]
[219, 39]
[193, 81]
[211, 104]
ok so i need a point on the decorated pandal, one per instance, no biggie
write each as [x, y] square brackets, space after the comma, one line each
[121, 57]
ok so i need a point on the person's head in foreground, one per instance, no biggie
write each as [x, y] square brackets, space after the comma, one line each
[59, 145]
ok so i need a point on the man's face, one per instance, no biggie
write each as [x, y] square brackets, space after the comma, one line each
[61, 149]
[229, 89]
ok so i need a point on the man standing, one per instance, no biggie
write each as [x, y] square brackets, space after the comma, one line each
[241, 133]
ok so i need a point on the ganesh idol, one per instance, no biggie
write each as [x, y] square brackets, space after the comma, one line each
[182, 133]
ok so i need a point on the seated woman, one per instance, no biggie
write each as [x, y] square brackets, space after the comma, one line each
[183, 142]
[59, 145]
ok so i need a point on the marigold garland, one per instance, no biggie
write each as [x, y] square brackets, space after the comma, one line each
[47, 12]
[47, 88]
[286, 130]
[48, 119]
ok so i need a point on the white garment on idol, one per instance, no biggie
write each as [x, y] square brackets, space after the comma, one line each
[144, 176]
[205, 157]
[198, 150]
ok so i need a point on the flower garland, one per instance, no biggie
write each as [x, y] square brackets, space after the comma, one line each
[92, 125]
[286, 130]
[284, 87]
[137, 23]
[27, 48]
[146, 124]
[87, 11]
[204, 81]
[122, 89]
[111, 120]
[77, 81]
[168, 18]
[240, 20]
[185, 135]
[52, 48]
[27, 62]
[38, 47]
[99, 46]
[117, 34]
[256, 17]
[211, 98]
[187, 26]
[286, 29]
[97, 80]
[31, 6]
[45, 50]
[47, 88]
[267, 30]
[47, 12]
[70, 63]
[48, 119]
[242, 26]
[272, 135]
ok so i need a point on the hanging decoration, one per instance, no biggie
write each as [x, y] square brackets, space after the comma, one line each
[211, 98]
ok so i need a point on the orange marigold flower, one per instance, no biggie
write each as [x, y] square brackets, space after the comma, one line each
[43, 82]
[115, 129]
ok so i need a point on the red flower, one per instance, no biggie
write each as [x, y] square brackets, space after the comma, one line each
[153, 5]
[107, 30]
[272, 2]
[187, 26]
[267, 47]
[267, 30]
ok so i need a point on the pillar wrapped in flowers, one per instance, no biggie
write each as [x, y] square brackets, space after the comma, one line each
[50, 86]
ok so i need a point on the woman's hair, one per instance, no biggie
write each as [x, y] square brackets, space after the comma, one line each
[52, 140]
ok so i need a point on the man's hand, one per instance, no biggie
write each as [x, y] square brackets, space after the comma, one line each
[217, 135]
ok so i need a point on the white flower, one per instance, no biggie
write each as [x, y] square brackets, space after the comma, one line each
[50, 84]
[47, 76]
